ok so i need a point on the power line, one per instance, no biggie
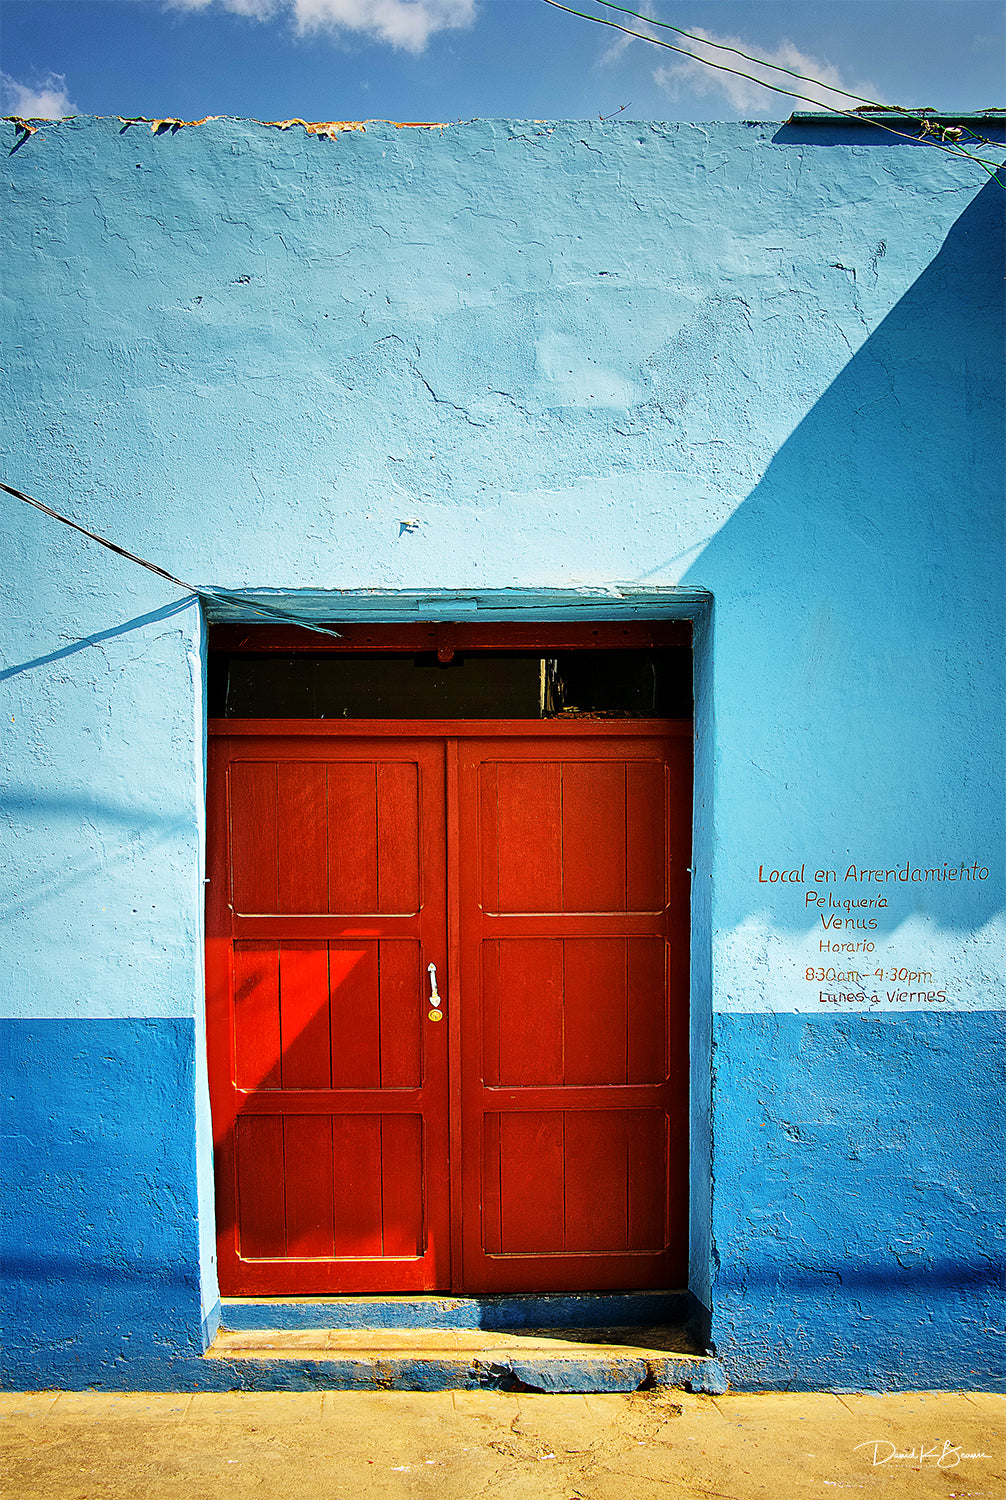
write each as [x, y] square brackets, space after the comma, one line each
[928, 125]
[773, 67]
[212, 594]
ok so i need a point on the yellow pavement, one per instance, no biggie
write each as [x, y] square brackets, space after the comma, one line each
[459, 1445]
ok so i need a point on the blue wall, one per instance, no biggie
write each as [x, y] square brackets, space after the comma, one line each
[101, 1265]
[862, 1160]
[748, 374]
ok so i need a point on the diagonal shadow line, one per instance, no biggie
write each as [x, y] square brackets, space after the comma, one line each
[138, 843]
[164, 613]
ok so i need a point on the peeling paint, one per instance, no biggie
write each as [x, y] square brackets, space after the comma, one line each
[170, 124]
[330, 128]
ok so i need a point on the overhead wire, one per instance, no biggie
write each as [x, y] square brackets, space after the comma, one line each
[926, 139]
[832, 88]
[224, 595]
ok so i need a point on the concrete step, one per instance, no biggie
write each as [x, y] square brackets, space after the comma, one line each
[561, 1360]
[543, 1310]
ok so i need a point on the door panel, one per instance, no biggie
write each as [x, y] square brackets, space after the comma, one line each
[327, 898]
[541, 1018]
[318, 836]
[572, 835]
[597, 1184]
[329, 1187]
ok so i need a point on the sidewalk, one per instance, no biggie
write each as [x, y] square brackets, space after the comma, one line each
[459, 1445]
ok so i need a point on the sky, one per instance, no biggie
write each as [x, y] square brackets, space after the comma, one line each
[448, 60]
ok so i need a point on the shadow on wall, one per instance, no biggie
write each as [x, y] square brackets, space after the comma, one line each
[140, 833]
[177, 606]
[85, 835]
[857, 666]
[859, 605]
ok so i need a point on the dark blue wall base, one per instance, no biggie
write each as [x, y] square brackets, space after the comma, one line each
[858, 1178]
[848, 1338]
[99, 1227]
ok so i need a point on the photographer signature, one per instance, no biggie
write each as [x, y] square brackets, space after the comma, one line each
[947, 1457]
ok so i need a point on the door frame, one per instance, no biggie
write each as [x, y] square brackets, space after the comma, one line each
[556, 619]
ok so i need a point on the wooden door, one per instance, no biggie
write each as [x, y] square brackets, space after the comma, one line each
[327, 900]
[574, 926]
[536, 1141]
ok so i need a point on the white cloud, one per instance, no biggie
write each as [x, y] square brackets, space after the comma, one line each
[749, 97]
[407, 24]
[259, 10]
[45, 100]
[622, 40]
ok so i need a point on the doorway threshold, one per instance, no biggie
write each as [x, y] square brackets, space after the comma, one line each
[573, 1343]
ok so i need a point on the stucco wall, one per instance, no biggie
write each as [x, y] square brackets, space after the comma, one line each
[750, 374]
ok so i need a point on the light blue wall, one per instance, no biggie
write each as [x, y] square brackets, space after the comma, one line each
[748, 374]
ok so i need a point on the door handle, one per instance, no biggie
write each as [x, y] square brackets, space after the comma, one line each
[436, 1010]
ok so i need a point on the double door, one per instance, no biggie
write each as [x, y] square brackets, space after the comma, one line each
[447, 1005]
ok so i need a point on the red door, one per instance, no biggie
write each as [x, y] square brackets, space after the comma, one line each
[328, 1083]
[536, 1137]
[574, 922]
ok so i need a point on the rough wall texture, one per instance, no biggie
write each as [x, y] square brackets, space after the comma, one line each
[102, 1263]
[594, 363]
